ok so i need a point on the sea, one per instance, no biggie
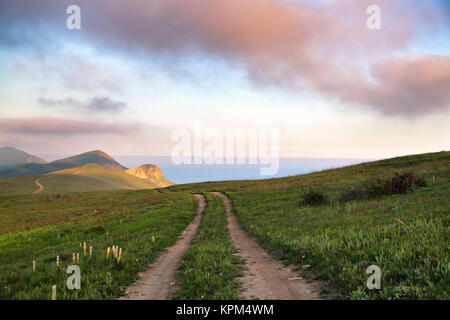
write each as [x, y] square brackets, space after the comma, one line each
[191, 173]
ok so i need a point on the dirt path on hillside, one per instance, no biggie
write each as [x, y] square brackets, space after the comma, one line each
[41, 187]
[159, 281]
[265, 277]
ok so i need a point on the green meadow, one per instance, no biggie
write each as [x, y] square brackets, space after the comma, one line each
[40, 227]
[406, 235]
[334, 240]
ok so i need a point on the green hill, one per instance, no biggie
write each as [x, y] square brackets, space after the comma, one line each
[105, 178]
[10, 157]
[97, 157]
[90, 177]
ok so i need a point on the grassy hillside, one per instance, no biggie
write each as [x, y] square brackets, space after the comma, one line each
[18, 185]
[97, 157]
[91, 177]
[112, 178]
[40, 227]
[406, 235]
[91, 171]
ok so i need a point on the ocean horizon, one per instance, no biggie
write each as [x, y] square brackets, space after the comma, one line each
[192, 173]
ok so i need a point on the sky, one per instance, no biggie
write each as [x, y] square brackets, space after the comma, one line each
[138, 70]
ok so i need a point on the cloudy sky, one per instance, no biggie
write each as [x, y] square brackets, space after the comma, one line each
[137, 70]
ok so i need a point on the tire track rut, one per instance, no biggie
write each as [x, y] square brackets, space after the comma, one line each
[265, 277]
[159, 281]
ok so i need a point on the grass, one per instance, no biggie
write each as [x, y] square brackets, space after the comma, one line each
[128, 219]
[340, 241]
[209, 269]
[406, 235]
[92, 177]
[111, 178]
[18, 185]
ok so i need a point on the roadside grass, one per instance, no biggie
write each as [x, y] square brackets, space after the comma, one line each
[28, 211]
[209, 268]
[18, 185]
[128, 219]
[406, 235]
[340, 242]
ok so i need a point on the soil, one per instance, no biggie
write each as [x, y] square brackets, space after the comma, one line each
[264, 277]
[159, 281]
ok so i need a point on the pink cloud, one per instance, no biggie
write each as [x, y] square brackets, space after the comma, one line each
[409, 86]
[295, 45]
[59, 126]
[10, 141]
[300, 45]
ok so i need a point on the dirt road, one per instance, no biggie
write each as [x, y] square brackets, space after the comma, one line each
[159, 282]
[41, 187]
[265, 277]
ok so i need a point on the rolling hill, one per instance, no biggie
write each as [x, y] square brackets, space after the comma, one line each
[10, 157]
[97, 156]
[90, 171]
[101, 178]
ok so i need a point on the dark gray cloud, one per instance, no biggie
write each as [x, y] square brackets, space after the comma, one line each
[48, 102]
[105, 104]
[95, 104]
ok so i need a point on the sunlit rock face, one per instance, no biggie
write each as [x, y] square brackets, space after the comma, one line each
[150, 172]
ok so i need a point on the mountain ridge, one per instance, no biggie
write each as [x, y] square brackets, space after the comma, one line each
[96, 156]
[88, 171]
[11, 157]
